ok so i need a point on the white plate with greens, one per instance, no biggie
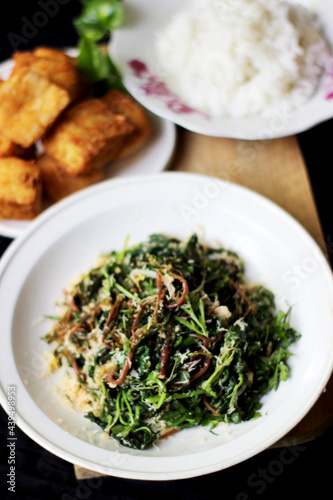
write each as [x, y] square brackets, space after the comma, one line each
[151, 81]
[65, 241]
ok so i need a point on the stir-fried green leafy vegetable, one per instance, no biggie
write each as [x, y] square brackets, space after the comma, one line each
[96, 21]
[166, 335]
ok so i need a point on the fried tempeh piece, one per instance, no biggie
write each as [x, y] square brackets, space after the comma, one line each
[29, 105]
[125, 105]
[54, 65]
[20, 189]
[57, 184]
[86, 137]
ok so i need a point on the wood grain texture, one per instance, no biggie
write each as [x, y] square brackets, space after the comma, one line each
[275, 169]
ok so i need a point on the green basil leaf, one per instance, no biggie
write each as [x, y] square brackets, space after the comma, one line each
[98, 17]
[98, 66]
[91, 61]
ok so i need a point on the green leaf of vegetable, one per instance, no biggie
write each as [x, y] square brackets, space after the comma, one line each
[91, 61]
[98, 17]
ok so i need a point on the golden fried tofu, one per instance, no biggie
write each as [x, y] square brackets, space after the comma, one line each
[6, 146]
[86, 137]
[125, 105]
[20, 189]
[52, 53]
[60, 69]
[9, 148]
[57, 185]
[29, 105]
[84, 86]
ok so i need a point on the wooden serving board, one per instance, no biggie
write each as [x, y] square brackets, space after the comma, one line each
[276, 169]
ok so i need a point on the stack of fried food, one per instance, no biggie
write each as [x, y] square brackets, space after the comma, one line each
[55, 138]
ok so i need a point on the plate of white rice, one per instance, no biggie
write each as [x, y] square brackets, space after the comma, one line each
[245, 69]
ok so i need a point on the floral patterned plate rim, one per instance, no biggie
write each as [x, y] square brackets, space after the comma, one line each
[138, 64]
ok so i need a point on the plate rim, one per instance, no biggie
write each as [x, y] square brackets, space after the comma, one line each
[92, 191]
[185, 121]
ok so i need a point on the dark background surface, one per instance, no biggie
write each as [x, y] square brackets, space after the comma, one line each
[291, 473]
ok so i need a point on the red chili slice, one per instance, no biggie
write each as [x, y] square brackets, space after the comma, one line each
[78, 373]
[70, 302]
[207, 339]
[210, 407]
[127, 365]
[110, 320]
[112, 314]
[128, 362]
[205, 365]
[159, 294]
[165, 353]
[105, 342]
[169, 433]
[183, 296]
[251, 306]
[203, 369]
[135, 322]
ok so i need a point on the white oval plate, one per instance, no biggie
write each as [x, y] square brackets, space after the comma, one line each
[65, 241]
[153, 158]
[137, 62]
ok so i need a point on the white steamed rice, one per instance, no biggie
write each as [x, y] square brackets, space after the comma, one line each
[242, 57]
